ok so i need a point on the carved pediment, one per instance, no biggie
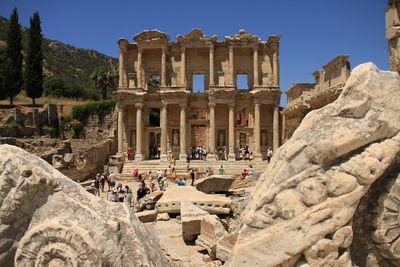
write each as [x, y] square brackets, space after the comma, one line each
[243, 37]
[196, 35]
[151, 36]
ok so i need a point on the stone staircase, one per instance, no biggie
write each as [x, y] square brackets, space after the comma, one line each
[230, 167]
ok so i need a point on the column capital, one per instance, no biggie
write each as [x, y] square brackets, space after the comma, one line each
[231, 105]
[183, 49]
[140, 48]
[257, 104]
[231, 48]
[183, 105]
[211, 48]
[164, 104]
[139, 105]
[164, 48]
[212, 105]
[255, 48]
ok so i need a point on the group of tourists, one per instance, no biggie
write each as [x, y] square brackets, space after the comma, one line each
[122, 194]
[100, 181]
[199, 152]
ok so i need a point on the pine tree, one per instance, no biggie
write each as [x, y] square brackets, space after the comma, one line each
[34, 70]
[13, 59]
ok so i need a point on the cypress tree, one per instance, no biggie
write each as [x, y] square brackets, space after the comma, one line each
[3, 91]
[13, 61]
[33, 71]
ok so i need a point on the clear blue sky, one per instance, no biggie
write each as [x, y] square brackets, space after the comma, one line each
[313, 31]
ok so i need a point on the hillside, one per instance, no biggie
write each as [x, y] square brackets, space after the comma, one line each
[70, 63]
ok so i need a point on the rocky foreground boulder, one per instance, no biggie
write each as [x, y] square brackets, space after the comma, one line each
[48, 220]
[303, 207]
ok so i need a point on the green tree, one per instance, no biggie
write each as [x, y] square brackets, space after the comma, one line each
[103, 79]
[3, 91]
[54, 86]
[13, 61]
[153, 85]
[34, 60]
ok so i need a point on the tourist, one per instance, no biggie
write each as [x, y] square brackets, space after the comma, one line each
[169, 172]
[173, 174]
[250, 170]
[121, 195]
[221, 170]
[220, 154]
[161, 183]
[193, 150]
[114, 196]
[129, 152]
[128, 198]
[140, 178]
[153, 186]
[207, 173]
[269, 154]
[251, 157]
[181, 182]
[225, 153]
[97, 185]
[112, 178]
[103, 181]
[192, 176]
[245, 174]
[246, 152]
[159, 174]
[135, 173]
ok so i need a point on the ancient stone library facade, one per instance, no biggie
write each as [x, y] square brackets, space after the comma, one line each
[160, 114]
[305, 97]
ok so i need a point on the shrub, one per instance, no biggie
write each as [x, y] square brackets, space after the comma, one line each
[99, 108]
[14, 124]
[78, 129]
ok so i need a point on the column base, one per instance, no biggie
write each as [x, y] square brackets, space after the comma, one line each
[231, 157]
[211, 157]
[164, 157]
[258, 157]
[183, 157]
[139, 157]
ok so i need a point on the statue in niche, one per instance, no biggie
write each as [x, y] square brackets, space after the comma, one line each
[175, 137]
[221, 78]
[131, 78]
[267, 79]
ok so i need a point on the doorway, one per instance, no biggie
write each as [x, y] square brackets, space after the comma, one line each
[154, 145]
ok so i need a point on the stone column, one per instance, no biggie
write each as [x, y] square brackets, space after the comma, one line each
[231, 66]
[255, 65]
[163, 67]
[275, 125]
[121, 70]
[182, 134]
[275, 67]
[139, 133]
[183, 66]
[120, 130]
[212, 77]
[139, 72]
[257, 132]
[231, 155]
[164, 132]
[211, 134]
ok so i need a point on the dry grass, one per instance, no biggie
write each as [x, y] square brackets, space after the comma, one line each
[23, 100]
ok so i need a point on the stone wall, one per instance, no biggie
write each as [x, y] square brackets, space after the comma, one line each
[393, 33]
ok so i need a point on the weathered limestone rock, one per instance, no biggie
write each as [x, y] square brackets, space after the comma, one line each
[48, 220]
[357, 136]
[163, 217]
[171, 200]
[225, 245]
[211, 230]
[149, 201]
[393, 33]
[147, 216]
[215, 183]
[191, 217]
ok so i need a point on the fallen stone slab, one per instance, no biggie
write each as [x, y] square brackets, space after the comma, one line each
[191, 217]
[149, 201]
[210, 231]
[147, 216]
[215, 183]
[225, 245]
[171, 200]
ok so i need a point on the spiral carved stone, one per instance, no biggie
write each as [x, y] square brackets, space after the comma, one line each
[46, 219]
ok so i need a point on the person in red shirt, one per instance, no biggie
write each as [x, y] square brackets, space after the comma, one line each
[129, 153]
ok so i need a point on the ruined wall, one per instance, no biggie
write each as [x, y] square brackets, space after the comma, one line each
[393, 33]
